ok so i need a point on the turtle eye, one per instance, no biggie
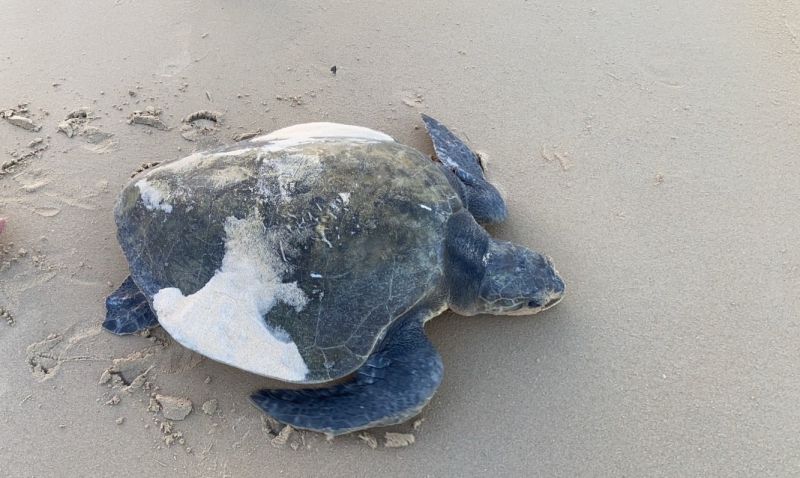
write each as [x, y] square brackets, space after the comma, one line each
[534, 304]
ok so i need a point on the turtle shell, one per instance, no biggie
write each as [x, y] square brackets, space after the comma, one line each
[288, 258]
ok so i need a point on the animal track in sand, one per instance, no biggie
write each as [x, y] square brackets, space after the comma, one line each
[40, 201]
[46, 357]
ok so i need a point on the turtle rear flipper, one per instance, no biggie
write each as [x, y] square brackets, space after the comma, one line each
[398, 379]
[481, 198]
[127, 310]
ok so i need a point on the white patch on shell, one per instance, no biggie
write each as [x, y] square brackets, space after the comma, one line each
[218, 177]
[288, 171]
[309, 133]
[427, 208]
[191, 162]
[324, 130]
[267, 148]
[152, 197]
[229, 175]
[224, 320]
[345, 197]
[281, 139]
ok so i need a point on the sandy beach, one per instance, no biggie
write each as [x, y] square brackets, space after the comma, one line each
[649, 147]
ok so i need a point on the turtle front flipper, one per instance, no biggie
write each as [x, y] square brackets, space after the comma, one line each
[127, 310]
[398, 379]
[481, 198]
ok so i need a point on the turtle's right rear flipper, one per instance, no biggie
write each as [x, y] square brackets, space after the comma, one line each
[391, 387]
[127, 310]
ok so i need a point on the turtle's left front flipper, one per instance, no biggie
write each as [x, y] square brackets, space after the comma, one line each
[127, 310]
[481, 198]
[395, 383]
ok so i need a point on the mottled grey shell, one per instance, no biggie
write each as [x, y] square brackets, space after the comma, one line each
[357, 225]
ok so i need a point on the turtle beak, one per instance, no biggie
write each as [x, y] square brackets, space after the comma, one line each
[553, 301]
[556, 290]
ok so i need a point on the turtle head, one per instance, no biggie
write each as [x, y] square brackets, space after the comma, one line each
[486, 276]
[517, 281]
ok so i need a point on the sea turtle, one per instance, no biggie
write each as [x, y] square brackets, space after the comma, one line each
[319, 251]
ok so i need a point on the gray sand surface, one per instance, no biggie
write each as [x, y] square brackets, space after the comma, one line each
[651, 148]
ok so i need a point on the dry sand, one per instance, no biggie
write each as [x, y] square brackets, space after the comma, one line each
[649, 147]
